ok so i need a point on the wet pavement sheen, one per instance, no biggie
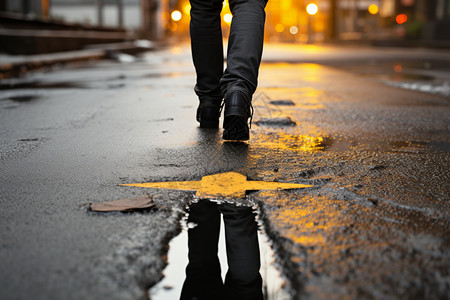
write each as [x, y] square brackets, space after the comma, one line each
[375, 224]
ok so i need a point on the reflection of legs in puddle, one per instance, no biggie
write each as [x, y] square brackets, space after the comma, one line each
[243, 280]
[203, 280]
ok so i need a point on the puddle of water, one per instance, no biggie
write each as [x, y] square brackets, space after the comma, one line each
[411, 75]
[30, 140]
[283, 102]
[23, 98]
[171, 285]
[432, 87]
[276, 122]
[300, 143]
[342, 144]
[415, 146]
[15, 101]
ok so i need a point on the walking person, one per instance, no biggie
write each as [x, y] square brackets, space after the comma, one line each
[238, 82]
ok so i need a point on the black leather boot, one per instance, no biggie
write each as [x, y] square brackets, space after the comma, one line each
[237, 112]
[208, 113]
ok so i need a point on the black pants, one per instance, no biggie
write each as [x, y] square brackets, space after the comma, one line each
[203, 279]
[245, 45]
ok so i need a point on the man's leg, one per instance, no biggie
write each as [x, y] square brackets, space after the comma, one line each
[207, 54]
[243, 59]
[245, 47]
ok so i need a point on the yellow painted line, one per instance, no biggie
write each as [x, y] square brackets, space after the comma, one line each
[227, 185]
[171, 185]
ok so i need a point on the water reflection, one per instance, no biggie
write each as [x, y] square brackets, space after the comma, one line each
[203, 273]
[292, 142]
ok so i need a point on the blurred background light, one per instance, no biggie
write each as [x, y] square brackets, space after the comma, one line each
[176, 15]
[187, 9]
[401, 18]
[312, 9]
[227, 18]
[293, 30]
[408, 2]
[279, 27]
[322, 20]
[373, 9]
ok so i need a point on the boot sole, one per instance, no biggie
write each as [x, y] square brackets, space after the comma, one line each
[235, 128]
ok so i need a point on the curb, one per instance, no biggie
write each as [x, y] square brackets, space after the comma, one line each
[20, 65]
[15, 66]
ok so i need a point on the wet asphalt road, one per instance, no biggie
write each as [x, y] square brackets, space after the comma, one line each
[359, 127]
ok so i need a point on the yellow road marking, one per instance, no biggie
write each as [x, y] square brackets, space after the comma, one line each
[228, 185]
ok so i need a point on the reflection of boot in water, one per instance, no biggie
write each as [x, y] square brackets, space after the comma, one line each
[243, 280]
[203, 279]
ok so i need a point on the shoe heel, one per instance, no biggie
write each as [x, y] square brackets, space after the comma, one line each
[209, 124]
[209, 118]
[235, 111]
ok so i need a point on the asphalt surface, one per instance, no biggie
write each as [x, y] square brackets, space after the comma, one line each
[374, 226]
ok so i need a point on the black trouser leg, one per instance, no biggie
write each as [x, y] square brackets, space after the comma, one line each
[245, 46]
[207, 48]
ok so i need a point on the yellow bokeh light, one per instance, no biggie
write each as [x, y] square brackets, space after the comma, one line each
[227, 18]
[279, 28]
[187, 9]
[373, 9]
[293, 30]
[176, 15]
[312, 9]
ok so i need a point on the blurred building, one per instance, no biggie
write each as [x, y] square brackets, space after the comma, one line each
[340, 20]
[288, 20]
[299, 21]
[98, 12]
[426, 19]
[25, 7]
[146, 16]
